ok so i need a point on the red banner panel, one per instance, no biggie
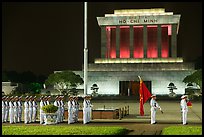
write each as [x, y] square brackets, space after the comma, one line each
[138, 42]
[111, 42]
[165, 42]
[124, 42]
[152, 42]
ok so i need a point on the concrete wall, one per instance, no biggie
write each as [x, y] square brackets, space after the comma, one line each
[7, 87]
[108, 82]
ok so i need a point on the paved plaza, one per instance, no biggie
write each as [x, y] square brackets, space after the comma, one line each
[141, 125]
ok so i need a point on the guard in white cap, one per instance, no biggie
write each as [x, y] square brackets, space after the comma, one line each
[20, 109]
[86, 110]
[57, 104]
[90, 109]
[76, 107]
[48, 100]
[35, 108]
[45, 100]
[11, 110]
[6, 109]
[30, 109]
[41, 111]
[62, 108]
[3, 108]
[70, 110]
[184, 109]
[154, 106]
[26, 110]
[15, 109]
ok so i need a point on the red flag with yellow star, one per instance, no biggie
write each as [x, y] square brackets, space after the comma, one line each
[144, 96]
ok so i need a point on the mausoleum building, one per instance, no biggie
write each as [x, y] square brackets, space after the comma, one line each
[138, 42]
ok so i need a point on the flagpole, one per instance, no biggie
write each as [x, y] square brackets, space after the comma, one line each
[85, 49]
[139, 78]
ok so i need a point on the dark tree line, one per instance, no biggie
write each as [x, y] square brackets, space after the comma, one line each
[27, 81]
[24, 77]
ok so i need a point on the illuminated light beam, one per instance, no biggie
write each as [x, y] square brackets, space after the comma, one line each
[148, 60]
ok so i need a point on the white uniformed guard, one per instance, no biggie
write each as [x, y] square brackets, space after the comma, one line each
[56, 103]
[45, 100]
[154, 106]
[20, 108]
[76, 107]
[41, 111]
[26, 110]
[3, 108]
[6, 109]
[90, 109]
[30, 108]
[86, 110]
[62, 108]
[35, 108]
[11, 110]
[48, 100]
[15, 109]
[184, 109]
[70, 110]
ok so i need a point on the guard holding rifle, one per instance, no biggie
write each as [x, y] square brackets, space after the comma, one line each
[154, 106]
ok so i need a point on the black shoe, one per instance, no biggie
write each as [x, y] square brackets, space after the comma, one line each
[185, 124]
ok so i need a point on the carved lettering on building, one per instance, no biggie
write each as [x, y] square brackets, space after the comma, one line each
[138, 19]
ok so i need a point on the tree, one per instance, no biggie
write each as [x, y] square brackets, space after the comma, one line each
[196, 78]
[35, 87]
[64, 80]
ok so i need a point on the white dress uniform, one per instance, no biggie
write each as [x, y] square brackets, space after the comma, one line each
[76, 106]
[154, 105]
[47, 102]
[30, 111]
[41, 112]
[11, 112]
[6, 111]
[15, 111]
[26, 112]
[86, 110]
[184, 109]
[70, 112]
[3, 110]
[20, 108]
[62, 110]
[90, 111]
[73, 111]
[56, 103]
[35, 107]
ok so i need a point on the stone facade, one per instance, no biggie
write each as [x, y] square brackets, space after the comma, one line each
[108, 81]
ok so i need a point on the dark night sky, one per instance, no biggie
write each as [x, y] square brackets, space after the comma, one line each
[43, 37]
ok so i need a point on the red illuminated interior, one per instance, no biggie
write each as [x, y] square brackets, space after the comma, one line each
[165, 43]
[138, 42]
[124, 42]
[111, 42]
[138, 51]
[152, 42]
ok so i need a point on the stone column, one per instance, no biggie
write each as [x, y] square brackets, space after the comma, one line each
[117, 41]
[145, 40]
[131, 42]
[103, 41]
[159, 37]
[174, 40]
